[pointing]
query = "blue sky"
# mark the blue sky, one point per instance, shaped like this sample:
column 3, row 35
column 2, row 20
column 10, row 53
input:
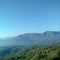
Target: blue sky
column 28, row 16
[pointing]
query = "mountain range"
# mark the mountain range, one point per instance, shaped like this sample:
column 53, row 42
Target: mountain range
column 48, row 37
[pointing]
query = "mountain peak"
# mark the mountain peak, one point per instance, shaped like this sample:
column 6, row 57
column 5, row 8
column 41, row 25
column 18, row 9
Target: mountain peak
column 52, row 32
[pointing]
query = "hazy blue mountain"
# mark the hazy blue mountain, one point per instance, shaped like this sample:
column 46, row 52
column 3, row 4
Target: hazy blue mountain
column 48, row 37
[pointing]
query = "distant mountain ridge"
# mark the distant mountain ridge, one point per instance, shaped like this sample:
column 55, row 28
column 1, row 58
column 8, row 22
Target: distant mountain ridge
column 48, row 37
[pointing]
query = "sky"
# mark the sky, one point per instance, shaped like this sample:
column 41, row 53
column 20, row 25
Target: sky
column 28, row 16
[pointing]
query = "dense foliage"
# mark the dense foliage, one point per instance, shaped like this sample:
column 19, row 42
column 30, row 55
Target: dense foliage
column 30, row 52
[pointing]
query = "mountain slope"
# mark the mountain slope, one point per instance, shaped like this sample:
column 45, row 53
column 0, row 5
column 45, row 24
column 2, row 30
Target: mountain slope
column 48, row 37
column 35, row 52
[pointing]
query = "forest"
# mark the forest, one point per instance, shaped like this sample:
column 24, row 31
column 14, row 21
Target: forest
column 35, row 52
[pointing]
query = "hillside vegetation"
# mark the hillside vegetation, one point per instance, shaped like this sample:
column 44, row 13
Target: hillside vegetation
column 36, row 52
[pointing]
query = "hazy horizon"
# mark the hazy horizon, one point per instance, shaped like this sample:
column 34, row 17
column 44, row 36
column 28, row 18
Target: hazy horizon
column 28, row 16
column 25, row 33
